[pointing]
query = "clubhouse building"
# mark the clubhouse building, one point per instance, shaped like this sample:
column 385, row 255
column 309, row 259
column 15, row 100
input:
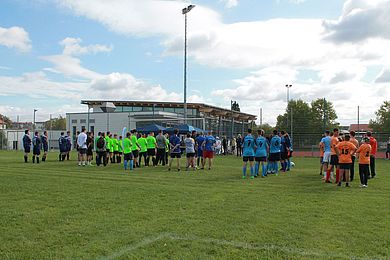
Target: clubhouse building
column 105, row 115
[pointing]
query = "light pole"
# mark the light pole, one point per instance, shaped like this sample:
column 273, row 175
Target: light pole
column 288, row 86
column 231, row 108
column 185, row 11
column 35, row 111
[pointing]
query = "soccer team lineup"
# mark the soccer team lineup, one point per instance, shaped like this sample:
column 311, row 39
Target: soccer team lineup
column 338, row 151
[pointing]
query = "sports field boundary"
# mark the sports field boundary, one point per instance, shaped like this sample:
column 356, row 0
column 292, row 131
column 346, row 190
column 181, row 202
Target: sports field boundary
column 221, row 242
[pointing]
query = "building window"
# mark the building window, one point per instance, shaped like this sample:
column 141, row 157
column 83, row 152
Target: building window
column 83, row 121
column 92, row 121
column 137, row 109
column 74, row 121
column 169, row 109
column 127, row 109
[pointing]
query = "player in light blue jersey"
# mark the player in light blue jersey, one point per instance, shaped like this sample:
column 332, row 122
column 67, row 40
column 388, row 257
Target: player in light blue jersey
column 261, row 154
column 248, row 154
column 326, row 144
column 274, row 152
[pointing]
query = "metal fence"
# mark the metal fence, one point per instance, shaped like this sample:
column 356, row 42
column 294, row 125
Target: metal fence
column 310, row 141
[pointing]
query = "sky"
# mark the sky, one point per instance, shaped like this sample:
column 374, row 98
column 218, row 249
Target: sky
column 55, row 53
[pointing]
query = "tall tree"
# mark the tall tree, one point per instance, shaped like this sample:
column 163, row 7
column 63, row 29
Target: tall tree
column 56, row 123
column 235, row 106
column 7, row 121
column 301, row 115
column 382, row 121
column 324, row 115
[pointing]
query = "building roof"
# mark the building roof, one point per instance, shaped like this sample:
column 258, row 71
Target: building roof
column 359, row 128
column 205, row 108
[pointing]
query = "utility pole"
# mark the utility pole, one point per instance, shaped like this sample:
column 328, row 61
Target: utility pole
column 231, row 108
column 261, row 116
column 185, row 11
column 288, row 86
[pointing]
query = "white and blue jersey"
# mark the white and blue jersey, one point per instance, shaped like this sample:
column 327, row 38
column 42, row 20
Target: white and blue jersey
column 326, row 141
column 261, row 147
column 275, row 145
column 249, row 146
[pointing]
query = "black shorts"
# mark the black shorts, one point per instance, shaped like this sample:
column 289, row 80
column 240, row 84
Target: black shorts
column 261, row 159
column 284, row 155
column 135, row 153
column 274, row 157
column 364, row 169
column 334, row 160
column 89, row 152
column 36, row 151
column 82, row 151
column 248, row 158
column 189, row 155
column 175, row 155
column 128, row 156
column 151, row 152
column 345, row 166
column 108, row 150
column 27, row 149
column 45, row 148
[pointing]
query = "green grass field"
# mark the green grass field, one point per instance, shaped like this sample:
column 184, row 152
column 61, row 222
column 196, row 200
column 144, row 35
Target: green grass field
column 61, row 211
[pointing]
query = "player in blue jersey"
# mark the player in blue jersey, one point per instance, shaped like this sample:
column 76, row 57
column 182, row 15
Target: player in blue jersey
column 261, row 153
column 284, row 150
column 208, row 149
column 326, row 144
column 248, row 154
column 274, row 152
column 199, row 141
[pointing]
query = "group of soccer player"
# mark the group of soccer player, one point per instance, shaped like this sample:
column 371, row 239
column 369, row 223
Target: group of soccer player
column 339, row 152
column 38, row 142
column 161, row 149
column 266, row 152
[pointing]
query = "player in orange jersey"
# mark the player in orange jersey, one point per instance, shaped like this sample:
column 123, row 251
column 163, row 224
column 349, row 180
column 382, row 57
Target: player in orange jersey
column 364, row 152
column 356, row 143
column 374, row 148
column 334, row 160
column 344, row 150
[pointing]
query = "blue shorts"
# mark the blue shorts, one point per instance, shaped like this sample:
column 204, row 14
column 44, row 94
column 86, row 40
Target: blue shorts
column 200, row 153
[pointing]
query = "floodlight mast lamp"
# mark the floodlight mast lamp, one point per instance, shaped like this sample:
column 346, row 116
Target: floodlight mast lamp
column 185, row 11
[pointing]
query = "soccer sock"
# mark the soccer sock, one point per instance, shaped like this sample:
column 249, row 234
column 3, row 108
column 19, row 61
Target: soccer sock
column 288, row 164
column 37, row 159
column 276, row 167
column 131, row 164
column 33, row 159
column 264, row 170
column 67, row 157
column 244, row 171
column 25, row 158
column 63, row 157
column 198, row 161
column 125, row 164
column 43, row 158
column 327, row 175
column 252, row 171
column 256, row 169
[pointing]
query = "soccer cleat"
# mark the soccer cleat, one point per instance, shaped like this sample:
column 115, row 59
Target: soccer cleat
column 339, row 184
column 347, row 185
column 252, row 177
column 244, row 177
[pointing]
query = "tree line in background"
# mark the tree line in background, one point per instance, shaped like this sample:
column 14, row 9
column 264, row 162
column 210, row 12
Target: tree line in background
column 382, row 121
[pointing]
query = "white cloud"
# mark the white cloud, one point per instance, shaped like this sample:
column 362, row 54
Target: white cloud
column 361, row 20
column 16, row 38
column 229, row 3
column 68, row 65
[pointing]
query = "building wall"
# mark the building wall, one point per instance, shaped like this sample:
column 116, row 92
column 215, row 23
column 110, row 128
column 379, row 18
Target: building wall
column 99, row 122
column 14, row 139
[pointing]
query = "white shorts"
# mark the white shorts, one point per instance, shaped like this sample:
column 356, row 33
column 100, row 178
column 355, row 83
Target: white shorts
column 326, row 157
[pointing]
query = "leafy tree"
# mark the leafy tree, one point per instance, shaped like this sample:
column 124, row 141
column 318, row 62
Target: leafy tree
column 235, row 106
column 301, row 114
column 56, row 123
column 323, row 112
column 382, row 121
column 3, row 140
column 7, row 121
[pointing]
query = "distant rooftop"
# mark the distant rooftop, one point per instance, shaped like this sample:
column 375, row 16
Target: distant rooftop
column 204, row 108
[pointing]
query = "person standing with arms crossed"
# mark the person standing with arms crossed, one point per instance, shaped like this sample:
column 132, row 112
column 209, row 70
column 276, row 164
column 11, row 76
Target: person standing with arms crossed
column 26, row 144
column 374, row 149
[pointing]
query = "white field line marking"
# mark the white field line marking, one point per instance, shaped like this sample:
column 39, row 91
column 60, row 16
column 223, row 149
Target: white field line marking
column 221, row 242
